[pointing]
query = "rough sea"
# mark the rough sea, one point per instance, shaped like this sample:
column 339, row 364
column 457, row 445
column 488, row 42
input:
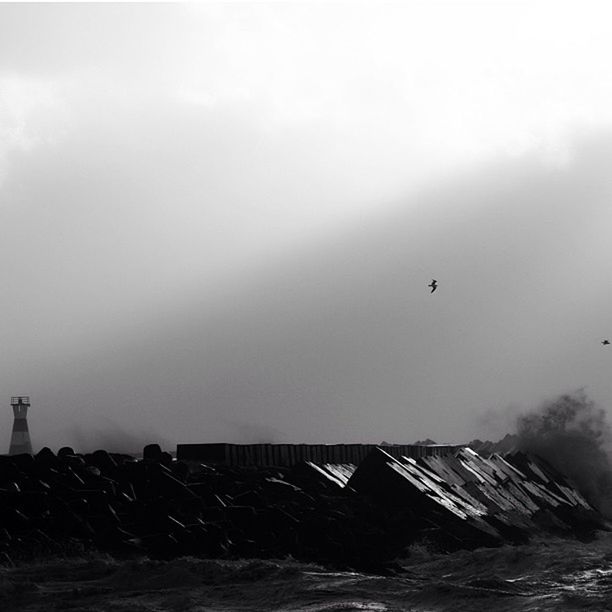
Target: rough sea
column 549, row 574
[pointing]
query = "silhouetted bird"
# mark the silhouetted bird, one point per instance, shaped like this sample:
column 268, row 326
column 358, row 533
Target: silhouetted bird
column 605, row 342
column 433, row 285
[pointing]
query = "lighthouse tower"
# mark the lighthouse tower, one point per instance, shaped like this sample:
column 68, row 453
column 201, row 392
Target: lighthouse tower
column 20, row 438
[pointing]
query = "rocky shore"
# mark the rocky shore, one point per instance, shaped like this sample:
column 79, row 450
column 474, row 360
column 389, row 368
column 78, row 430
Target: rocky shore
column 361, row 516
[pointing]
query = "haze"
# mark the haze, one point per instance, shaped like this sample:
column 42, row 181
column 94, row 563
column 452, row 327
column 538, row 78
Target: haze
column 219, row 220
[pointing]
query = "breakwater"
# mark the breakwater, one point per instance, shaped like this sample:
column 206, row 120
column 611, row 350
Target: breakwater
column 287, row 455
column 355, row 515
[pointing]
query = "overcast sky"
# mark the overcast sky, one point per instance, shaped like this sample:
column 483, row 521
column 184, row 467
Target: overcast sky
column 218, row 221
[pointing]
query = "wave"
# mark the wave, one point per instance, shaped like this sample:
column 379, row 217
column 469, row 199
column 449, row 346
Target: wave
column 548, row 574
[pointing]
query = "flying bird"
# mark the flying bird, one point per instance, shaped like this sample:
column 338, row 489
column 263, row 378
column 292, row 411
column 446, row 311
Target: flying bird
column 433, row 285
column 605, row 342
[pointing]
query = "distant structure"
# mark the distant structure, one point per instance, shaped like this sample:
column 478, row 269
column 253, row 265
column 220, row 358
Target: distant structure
column 287, row 455
column 20, row 438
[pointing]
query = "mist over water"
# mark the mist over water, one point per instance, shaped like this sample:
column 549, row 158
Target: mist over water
column 573, row 434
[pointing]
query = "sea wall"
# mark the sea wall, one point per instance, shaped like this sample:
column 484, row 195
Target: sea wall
column 361, row 515
column 287, row 455
column 466, row 500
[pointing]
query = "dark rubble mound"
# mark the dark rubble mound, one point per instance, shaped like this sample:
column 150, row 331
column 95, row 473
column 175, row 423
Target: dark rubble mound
column 351, row 516
column 463, row 500
column 69, row 503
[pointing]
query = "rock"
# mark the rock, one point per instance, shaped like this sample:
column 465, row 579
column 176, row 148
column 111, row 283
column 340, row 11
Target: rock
column 103, row 461
column 180, row 470
column 398, row 485
column 313, row 476
column 152, row 452
column 23, row 462
column 242, row 517
column 166, row 459
column 335, row 513
column 45, row 458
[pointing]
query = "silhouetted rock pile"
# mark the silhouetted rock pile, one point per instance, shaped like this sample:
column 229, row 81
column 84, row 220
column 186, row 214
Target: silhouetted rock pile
column 360, row 517
column 464, row 500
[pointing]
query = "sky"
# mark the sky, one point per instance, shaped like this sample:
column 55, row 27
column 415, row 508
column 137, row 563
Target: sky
column 219, row 220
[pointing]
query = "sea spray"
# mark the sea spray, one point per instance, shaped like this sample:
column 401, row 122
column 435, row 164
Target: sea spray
column 571, row 432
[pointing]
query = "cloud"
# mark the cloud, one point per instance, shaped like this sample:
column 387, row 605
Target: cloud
column 30, row 114
column 340, row 340
column 231, row 209
column 389, row 95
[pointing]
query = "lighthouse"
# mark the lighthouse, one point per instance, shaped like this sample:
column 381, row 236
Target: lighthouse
column 20, row 438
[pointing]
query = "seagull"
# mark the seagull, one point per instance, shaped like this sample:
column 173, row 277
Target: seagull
column 433, row 285
column 605, row 342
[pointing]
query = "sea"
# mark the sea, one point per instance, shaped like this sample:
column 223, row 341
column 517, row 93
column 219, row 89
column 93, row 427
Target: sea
column 547, row 574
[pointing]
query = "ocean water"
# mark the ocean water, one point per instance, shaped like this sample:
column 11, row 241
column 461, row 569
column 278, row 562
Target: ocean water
column 549, row 574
